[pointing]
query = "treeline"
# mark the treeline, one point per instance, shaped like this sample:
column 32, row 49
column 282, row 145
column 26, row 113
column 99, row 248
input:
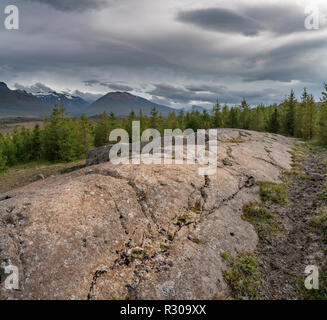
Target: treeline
column 63, row 139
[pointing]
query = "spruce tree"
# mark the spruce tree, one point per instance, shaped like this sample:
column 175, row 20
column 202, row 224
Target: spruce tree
column 154, row 119
column 172, row 122
column 3, row 158
column 216, row 116
column 234, row 117
column 290, row 114
column 245, row 115
column 84, row 135
column 181, row 120
column 36, row 143
column 205, row 121
column 60, row 142
column 309, row 118
column 273, row 123
column 102, row 130
column 225, row 117
column 322, row 118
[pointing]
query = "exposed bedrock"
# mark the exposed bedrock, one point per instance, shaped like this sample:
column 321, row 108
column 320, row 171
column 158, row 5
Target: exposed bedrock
column 137, row 231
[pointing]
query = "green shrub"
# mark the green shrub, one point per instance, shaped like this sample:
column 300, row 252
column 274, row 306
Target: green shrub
column 261, row 218
column 274, row 192
column 243, row 277
column 319, row 225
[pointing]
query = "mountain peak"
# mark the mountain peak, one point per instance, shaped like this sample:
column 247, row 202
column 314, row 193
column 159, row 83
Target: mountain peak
column 122, row 103
column 119, row 94
column 3, row 86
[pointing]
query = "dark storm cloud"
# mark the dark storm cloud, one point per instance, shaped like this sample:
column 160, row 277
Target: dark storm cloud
column 222, row 20
column 281, row 19
column 162, row 92
column 117, row 86
column 180, row 94
column 291, row 61
column 73, row 5
column 130, row 43
column 249, row 20
column 205, row 88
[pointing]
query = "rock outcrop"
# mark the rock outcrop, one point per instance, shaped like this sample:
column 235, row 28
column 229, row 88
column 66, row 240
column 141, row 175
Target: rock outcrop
column 137, row 231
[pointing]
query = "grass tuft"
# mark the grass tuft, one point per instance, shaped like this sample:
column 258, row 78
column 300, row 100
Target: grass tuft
column 243, row 277
column 274, row 192
column 262, row 219
column 319, row 224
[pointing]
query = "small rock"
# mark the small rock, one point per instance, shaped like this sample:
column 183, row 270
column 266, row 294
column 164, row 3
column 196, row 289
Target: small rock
column 227, row 162
column 38, row 177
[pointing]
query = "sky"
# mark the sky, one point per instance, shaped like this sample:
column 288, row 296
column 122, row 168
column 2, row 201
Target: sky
column 174, row 52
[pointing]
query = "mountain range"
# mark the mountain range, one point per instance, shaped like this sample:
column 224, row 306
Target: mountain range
column 19, row 103
column 73, row 104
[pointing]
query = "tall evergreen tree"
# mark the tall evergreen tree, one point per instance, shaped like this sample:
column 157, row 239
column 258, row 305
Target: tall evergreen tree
column 205, row 120
column 3, row 158
column 322, row 118
column 289, row 107
column 225, row 116
column 273, row 124
column 102, row 130
column 36, row 143
column 181, row 120
column 59, row 137
column 216, row 116
column 172, row 122
column 309, row 117
column 234, row 117
column 245, row 115
column 154, row 119
column 84, row 135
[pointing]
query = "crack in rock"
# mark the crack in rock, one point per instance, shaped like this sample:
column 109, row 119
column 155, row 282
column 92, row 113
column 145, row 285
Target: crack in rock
column 96, row 276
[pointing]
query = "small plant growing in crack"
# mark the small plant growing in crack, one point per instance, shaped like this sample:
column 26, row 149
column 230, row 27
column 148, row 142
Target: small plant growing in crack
column 164, row 246
column 243, row 276
column 137, row 253
column 171, row 236
column 261, row 218
column 296, row 165
column 186, row 218
column 197, row 208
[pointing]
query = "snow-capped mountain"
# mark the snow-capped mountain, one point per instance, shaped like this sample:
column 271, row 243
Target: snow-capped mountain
column 19, row 103
column 73, row 104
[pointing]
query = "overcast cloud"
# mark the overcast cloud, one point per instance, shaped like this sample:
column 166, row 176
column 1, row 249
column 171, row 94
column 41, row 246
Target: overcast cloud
column 176, row 52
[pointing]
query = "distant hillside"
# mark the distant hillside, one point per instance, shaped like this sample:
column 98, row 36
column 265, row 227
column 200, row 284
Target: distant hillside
column 195, row 108
column 18, row 103
column 121, row 103
column 73, row 105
